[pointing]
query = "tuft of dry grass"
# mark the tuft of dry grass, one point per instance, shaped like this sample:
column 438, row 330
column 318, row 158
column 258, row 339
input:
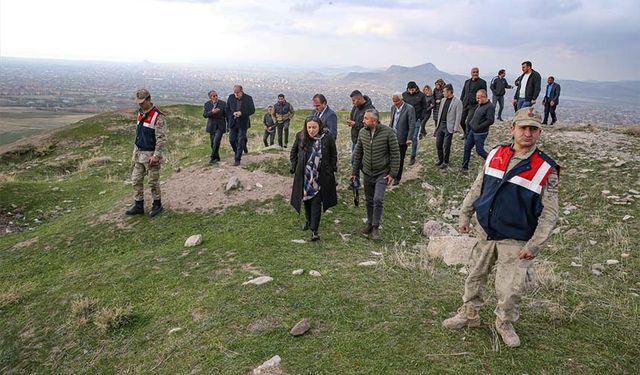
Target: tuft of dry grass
column 82, row 308
column 8, row 298
column 618, row 237
column 414, row 259
column 94, row 162
column 545, row 276
column 112, row 318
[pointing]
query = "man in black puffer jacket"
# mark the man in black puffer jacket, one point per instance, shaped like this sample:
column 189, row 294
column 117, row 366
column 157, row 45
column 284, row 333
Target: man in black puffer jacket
column 360, row 105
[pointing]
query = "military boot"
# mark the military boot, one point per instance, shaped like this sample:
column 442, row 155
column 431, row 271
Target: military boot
column 156, row 208
column 136, row 209
column 467, row 316
column 508, row 334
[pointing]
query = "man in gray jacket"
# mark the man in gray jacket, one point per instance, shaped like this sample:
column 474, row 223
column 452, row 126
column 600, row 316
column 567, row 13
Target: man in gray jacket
column 403, row 121
column 447, row 122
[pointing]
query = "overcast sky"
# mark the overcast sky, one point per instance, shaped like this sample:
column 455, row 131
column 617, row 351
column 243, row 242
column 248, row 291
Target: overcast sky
column 579, row 39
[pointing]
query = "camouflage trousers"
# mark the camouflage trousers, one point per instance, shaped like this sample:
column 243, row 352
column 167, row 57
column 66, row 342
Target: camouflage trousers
column 513, row 275
column 137, row 179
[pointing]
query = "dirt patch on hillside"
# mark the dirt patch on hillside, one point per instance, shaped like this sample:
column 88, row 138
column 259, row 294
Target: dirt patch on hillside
column 203, row 188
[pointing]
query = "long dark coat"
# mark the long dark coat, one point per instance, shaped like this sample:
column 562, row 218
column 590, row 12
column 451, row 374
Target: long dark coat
column 328, row 168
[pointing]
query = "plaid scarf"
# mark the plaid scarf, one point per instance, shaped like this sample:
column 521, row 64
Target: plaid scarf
column 311, row 170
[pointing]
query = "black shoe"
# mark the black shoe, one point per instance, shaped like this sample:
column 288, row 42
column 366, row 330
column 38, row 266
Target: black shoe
column 500, row 119
column 136, row 209
column 553, row 122
column 464, row 171
column 367, row 230
column 444, row 166
column 438, row 163
column 306, row 226
column 375, row 234
column 236, row 163
column 156, row 208
column 315, row 236
column 285, row 146
column 396, row 182
column 245, row 150
column 412, row 161
column 213, row 161
column 544, row 123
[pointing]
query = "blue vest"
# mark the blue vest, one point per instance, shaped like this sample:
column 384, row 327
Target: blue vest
column 511, row 202
column 146, row 130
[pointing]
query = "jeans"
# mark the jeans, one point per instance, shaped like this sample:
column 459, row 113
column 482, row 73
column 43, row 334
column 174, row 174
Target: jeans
column 215, row 138
column 414, row 139
column 403, row 153
column 443, row 144
column 283, row 127
column 499, row 99
column 353, row 153
column 522, row 103
column 268, row 138
column 238, row 141
column 313, row 211
column 374, row 188
column 472, row 139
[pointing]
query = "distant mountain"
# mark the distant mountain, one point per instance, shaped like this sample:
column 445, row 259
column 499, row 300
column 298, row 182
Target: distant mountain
column 396, row 77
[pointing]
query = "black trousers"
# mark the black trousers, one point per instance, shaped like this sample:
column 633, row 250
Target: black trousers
column 268, row 138
column 548, row 109
column 403, row 153
column 215, row 138
column 283, row 127
column 443, row 144
column 313, row 211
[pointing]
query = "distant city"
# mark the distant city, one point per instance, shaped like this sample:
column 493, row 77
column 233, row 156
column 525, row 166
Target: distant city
column 92, row 87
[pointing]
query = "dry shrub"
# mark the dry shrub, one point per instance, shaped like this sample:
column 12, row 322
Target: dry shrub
column 112, row 318
column 632, row 130
column 81, row 309
column 94, row 162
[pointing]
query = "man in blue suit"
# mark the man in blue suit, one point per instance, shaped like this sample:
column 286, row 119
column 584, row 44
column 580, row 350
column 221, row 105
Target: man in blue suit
column 326, row 114
column 550, row 101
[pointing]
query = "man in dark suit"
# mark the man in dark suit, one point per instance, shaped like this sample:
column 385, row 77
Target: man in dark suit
column 468, row 97
column 240, row 107
column 550, row 101
column 215, row 111
column 529, row 87
column 326, row 114
column 403, row 122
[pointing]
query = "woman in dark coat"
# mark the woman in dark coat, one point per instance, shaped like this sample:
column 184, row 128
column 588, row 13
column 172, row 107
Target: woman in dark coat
column 314, row 162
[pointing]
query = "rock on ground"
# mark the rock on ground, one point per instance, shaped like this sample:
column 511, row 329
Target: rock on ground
column 315, row 273
column 452, row 249
column 194, row 240
column 369, row 263
column 269, row 367
column 298, row 272
column 301, row 327
column 258, row 280
column 233, row 183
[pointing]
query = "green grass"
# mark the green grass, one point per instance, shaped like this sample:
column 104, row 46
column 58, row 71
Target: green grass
column 142, row 282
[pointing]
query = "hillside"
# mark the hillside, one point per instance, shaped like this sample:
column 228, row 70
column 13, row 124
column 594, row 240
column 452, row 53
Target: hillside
column 84, row 289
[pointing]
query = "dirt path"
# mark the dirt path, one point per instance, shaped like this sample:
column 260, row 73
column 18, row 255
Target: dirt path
column 203, row 188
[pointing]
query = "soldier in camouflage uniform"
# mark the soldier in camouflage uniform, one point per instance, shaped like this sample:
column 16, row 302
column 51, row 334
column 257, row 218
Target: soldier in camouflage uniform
column 147, row 153
column 515, row 199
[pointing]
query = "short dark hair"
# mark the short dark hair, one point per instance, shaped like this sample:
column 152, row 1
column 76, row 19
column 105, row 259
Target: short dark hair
column 449, row 87
column 553, row 79
column 355, row 93
column 412, row 85
column 280, row 95
column 321, row 98
column 527, row 63
column 500, row 71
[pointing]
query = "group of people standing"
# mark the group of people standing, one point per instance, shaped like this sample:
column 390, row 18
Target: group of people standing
column 514, row 197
